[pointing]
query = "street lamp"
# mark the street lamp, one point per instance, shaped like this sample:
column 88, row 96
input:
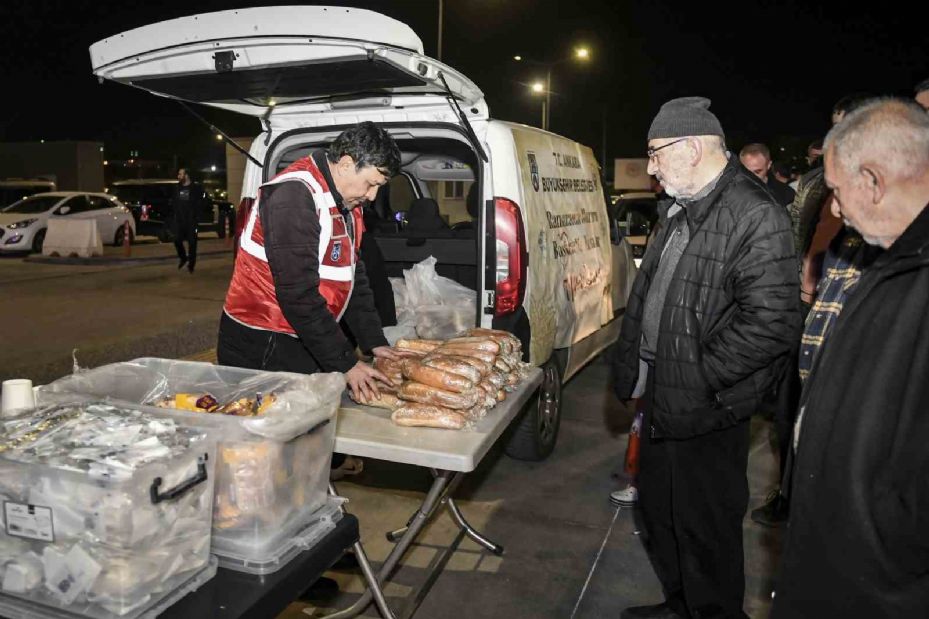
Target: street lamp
column 538, row 88
column 580, row 53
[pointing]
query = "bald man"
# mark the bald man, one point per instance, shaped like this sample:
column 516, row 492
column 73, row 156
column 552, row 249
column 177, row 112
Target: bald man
column 857, row 544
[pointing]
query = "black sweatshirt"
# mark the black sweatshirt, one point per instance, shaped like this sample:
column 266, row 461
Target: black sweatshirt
column 291, row 241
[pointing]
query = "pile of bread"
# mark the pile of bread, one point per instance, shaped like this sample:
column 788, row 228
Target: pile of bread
column 450, row 383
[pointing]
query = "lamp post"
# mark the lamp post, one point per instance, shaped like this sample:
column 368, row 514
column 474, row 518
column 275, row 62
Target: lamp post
column 580, row 53
column 439, row 55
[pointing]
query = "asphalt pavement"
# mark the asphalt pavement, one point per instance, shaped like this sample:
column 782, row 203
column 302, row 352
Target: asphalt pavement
column 108, row 309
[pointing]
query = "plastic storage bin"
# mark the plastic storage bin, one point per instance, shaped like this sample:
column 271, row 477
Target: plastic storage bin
column 267, row 490
column 105, row 511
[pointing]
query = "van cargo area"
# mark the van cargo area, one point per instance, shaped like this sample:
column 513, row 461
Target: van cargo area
column 430, row 209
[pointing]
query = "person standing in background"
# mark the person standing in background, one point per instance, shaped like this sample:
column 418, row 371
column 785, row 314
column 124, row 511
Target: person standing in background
column 189, row 199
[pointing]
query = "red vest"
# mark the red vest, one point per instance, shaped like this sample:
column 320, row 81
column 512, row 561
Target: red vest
column 251, row 299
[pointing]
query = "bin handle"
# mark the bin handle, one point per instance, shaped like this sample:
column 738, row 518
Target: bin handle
column 181, row 488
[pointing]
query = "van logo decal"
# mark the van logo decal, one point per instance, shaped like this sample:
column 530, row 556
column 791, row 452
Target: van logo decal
column 336, row 251
column 533, row 170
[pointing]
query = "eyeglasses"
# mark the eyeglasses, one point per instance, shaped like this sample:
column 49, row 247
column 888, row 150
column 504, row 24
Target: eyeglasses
column 653, row 152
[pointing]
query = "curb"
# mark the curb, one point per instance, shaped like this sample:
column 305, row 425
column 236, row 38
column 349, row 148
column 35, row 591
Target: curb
column 114, row 260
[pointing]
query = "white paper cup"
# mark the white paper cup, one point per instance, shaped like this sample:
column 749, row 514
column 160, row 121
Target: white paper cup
column 17, row 395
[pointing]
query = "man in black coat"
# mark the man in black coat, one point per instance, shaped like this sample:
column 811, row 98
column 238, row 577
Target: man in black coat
column 189, row 200
column 713, row 315
column 857, row 543
column 757, row 159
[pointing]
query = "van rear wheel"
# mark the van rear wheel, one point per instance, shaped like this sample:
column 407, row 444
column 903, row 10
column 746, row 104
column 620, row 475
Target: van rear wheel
column 536, row 432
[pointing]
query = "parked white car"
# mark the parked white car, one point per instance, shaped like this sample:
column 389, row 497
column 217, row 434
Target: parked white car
column 23, row 223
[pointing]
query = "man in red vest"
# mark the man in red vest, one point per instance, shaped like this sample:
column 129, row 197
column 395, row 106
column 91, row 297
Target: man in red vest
column 298, row 272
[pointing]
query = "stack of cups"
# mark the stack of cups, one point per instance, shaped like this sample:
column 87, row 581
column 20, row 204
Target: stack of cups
column 17, row 395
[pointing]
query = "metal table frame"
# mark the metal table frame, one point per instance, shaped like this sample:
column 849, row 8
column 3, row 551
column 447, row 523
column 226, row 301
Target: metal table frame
column 407, row 448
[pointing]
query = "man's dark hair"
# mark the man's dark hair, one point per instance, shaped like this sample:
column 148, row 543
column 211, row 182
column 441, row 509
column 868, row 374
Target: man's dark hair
column 815, row 145
column 756, row 149
column 849, row 103
column 923, row 85
column 368, row 145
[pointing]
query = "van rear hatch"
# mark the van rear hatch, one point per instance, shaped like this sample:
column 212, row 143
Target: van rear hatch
column 284, row 61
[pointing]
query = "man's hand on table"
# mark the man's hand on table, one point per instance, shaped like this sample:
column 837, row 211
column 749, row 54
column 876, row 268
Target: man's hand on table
column 362, row 380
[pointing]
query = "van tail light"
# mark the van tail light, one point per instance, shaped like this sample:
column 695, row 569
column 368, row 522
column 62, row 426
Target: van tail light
column 145, row 212
column 512, row 257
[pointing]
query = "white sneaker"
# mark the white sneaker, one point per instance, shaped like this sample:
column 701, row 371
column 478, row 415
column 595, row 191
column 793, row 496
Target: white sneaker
column 625, row 497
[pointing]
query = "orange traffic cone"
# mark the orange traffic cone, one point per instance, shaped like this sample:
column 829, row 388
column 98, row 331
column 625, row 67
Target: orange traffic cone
column 127, row 239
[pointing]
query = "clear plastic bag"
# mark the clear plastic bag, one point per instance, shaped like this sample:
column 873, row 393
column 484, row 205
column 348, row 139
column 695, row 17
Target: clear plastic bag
column 302, row 401
column 429, row 305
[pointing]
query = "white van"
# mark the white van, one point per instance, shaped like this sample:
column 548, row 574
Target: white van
column 536, row 243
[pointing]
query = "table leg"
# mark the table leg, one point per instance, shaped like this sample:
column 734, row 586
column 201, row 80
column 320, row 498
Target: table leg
column 396, row 534
column 463, row 524
column 443, row 480
column 374, row 586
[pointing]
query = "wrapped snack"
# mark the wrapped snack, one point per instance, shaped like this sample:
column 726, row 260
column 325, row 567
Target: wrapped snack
column 426, row 394
column 420, row 346
column 434, row 377
column 387, row 400
column 477, row 364
column 515, row 343
column 455, row 366
column 425, row 415
column 478, row 343
column 483, row 355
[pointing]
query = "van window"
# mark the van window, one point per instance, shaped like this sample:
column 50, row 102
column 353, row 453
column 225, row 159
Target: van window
column 453, row 190
column 401, row 193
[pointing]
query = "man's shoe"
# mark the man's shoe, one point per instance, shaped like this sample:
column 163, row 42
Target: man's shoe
column 774, row 512
column 180, row 263
column 350, row 466
column 655, row 611
column 190, row 267
column 626, row 497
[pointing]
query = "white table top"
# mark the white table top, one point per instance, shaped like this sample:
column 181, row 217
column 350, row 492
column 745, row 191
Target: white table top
column 369, row 432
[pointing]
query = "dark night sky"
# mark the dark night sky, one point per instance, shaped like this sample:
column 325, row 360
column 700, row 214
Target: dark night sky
column 773, row 70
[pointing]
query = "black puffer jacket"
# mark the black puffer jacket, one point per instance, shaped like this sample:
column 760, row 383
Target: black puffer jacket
column 731, row 316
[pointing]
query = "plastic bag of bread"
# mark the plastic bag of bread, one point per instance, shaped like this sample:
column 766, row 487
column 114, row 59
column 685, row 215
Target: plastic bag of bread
column 428, row 416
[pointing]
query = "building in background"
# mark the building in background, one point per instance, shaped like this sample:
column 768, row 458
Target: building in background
column 71, row 165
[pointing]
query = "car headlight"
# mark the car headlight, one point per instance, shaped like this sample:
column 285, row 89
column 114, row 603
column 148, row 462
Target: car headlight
column 22, row 224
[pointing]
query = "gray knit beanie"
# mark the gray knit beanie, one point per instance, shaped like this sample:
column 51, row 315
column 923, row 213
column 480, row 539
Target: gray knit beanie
column 685, row 117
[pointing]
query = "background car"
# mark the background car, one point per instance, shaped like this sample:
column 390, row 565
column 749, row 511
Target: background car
column 151, row 202
column 23, row 223
column 636, row 215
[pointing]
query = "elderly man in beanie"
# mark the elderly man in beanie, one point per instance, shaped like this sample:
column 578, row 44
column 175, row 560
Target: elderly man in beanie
column 713, row 317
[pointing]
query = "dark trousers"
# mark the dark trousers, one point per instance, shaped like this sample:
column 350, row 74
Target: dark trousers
column 185, row 229
column 785, row 413
column 242, row 347
column 693, row 494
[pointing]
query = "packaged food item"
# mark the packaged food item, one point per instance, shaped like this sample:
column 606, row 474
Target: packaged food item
column 105, row 509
